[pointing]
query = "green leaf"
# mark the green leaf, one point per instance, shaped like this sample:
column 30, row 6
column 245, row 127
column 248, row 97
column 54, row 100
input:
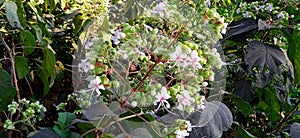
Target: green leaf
column 29, row 41
column 52, row 4
column 273, row 109
column 47, row 72
column 87, row 24
column 294, row 52
column 74, row 135
column 21, row 13
column 7, row 90
column 269, row 103
column 241, row 104
column 65, row 119
column 243, row 133
column 22, row 68
column 38, row 33
column 63, row 3
column 59, row 132
column 11, row 14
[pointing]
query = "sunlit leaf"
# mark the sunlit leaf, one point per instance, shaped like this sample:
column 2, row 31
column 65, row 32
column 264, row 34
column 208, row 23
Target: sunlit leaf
column 47, row 72
column 21, row 13
column 11, row 14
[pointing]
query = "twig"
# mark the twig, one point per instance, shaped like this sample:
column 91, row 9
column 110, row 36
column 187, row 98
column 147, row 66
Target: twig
column 13, row 71
column 29, row 86
column 282, row 123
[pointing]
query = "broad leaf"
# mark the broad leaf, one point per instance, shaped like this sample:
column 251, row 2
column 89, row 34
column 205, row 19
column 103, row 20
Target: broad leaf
column 269, row 103
column 7, row 90
column 242, row 89
column 45, row 134
column 65, row 119
column 11, row 14
column 242, row 105
column 242, row 132
column 96, row 111
column 22, row 68
column 241, row 30
column 212, row 121
column 294, row 52
column 267, row 59
column 47, row 72
column 137, row 133
column 29, row 41
column 21, row 14
column 295, row 130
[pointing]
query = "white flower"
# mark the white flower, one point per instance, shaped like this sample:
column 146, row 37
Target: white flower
column 207, row 3
column 202, row 103
column 179, row 57
column 117, row 35
column 123, row 52
column 188, row 125
column 195, row 59
column 181, row 133
column 204, row 84
column 85, row 65
column 88, row 45
column 269, row 7
column 184, row 99
column 246, row 15
column 223, row 30
column 261, row 7
column 162, row 98
column 238, row 10
column 159, row 9
column 95, row 85
column 281, row 15
column 148, row 27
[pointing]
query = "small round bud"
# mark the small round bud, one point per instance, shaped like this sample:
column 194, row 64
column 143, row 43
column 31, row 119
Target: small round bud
column 134, row 104
column 204, row 84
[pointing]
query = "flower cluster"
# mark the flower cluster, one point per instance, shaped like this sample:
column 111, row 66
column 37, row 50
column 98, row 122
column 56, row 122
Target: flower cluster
column 183, row 130
column 158, row 70
column 31, row 113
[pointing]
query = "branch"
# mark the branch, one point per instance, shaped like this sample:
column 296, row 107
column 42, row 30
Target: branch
column 13, row 70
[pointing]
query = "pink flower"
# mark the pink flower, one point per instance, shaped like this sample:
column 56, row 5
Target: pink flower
column 162, row 98
column 117, row 35
column 184, row 100
column 159, row 9
column 195, row 59
column 181, row 133
column 85, row 65
column 95, row 85
column 179, row 57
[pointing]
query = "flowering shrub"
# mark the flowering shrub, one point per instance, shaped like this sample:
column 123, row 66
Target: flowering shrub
column 31, row 113
column 156, row 64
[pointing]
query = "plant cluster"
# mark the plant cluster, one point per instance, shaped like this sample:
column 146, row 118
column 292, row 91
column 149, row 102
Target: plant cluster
column 144, row 68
